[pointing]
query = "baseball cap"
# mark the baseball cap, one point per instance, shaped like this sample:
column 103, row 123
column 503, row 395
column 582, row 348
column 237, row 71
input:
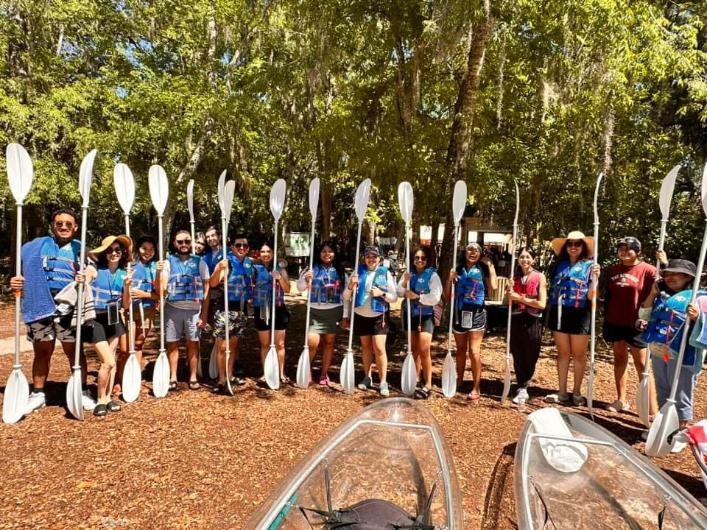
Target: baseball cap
column 630, row 242
column 371, row 250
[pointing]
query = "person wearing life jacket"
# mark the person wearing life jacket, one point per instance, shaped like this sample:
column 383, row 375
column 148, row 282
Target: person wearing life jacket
column 626, row 284
column 569, row 316
column 239, row 270
column 111, row 294
column 375, row 291
column 422, row 289
column 262, row 301
column 528, row 294
column 213, row 253
column 664, row 315
column 49, row 264
column 324, row 285
column 474, row 276
column 185, row 278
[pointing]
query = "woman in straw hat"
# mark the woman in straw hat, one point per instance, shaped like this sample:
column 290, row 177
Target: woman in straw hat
column 111, row 292
column 570, row 310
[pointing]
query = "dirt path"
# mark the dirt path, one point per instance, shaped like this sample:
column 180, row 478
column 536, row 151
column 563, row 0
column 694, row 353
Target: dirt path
column 199, row 461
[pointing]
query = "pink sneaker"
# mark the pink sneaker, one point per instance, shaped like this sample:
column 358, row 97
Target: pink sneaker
column 324, row 380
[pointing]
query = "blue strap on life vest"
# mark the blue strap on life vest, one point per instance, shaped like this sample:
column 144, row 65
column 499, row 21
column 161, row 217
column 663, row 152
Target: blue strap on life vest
column 327, row 287
column 107, row 288
column 470, row 289
column 262, row 294
column 240, row 279
column 144, row 280
column 380, row 280
column 185, row 283
column 571, row 283
column 420, row 284
column 60, row 264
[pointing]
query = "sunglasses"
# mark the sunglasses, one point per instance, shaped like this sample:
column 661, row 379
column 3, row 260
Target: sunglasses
column 241, row 245
column 67, row 224
column 183, row 241
column 114, row 250
column 420, row 258
column 570, row 244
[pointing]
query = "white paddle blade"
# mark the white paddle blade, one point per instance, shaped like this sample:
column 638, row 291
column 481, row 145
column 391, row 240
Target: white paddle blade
column 131, row 379
column 160, row 376
column 506, row 378
column 19, row 171
column 272, row 369
column 313, row 197
column 664, row 424
column 449, row 376
column 704, row 191
column 190, row 199
column 347, row 373
column 220, row 187
column 408, row 379
column 277, row 198
column 666, row 191
column 16, row 397
column 85, row 177
column 304, row 371
column 124, row 184
column 213, row 363
column 596, row 197
column 363, row 194
column 228, row 190
column 405, row 201
column 159, row 188
column 459, row 200
column 563, row 455
column 74, row 396
column 643, row 397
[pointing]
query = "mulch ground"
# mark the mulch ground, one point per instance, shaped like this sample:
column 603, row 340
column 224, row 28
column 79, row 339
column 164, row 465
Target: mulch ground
column 200, row 461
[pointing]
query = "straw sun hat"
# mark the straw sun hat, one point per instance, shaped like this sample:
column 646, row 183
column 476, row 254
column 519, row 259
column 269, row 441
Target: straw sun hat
column 559, row 242
column 125, row 241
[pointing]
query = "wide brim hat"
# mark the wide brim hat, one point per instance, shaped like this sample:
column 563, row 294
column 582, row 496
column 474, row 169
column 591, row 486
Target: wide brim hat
column 108, row 241
column 559, row 242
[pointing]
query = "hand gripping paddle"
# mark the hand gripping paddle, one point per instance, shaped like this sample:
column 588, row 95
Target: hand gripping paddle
column 304, row 371
column 20, row 174
column 408, row 378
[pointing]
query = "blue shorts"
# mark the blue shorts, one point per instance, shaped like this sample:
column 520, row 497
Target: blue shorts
column 181, row 323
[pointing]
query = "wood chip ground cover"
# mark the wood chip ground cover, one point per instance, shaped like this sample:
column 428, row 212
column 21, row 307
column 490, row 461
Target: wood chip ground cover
column 195, row 460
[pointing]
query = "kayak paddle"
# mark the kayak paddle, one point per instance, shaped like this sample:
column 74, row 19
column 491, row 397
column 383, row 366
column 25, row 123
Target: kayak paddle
column 347, row 374
column 643, row 395
column 159, row 193
column 304, row 370
column 20, row 174
column 449, row 369
column 190, row 206
column 511, row 276
column 225, row 202
column 74, row 392
column 124, row 184
column 408, row 378
column 213, row 363
column 272, row 367
column 667, row 422
column 593, row 295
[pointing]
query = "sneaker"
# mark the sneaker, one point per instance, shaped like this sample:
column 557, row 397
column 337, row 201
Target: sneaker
column 618, row 406
column 521, row 395
column 578, row 400
column 562, row 399
column 384, row 389
column 324, row 380
column 88, row 402
column 36, row 401
column 366, row 383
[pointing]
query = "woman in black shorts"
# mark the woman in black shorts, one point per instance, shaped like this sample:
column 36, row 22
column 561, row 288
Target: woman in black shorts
column 423, row 289
column 569, row 316
column 474, row 276
column 111, row 293
column 262, row 301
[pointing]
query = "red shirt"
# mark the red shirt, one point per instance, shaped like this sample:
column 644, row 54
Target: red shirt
column 626, row 287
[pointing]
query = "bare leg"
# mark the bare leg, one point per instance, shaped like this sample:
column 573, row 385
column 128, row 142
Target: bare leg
column 640, row 356
column 221, row 360
column 462, row 341
column 264, row 339
column 415, row 346
column 367, row 354
column 280, row 347
column 173, row 357
column 381, row 356
column 313, row 344
column 328, row 352
column 562, row 343
column 578, row 346
column 425, row 356
column 475, row 338
column 69, row 349
column 106, row 355
column 620, row 364
column 192, row 358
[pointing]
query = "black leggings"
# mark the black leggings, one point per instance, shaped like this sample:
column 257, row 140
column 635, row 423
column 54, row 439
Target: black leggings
column 526, row 336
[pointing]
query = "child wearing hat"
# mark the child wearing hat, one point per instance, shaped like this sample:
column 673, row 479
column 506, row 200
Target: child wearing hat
column 626, row 284
column 569, row 315
column 663, row 314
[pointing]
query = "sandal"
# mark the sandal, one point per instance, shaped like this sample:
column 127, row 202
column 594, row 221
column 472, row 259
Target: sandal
column 423, row 393
column 113, row 406
column 220, row 389
column 237, row 381
column 172, row 385
column 285, row 380
column 194, row 385
column 473, row 396
column 100, row 410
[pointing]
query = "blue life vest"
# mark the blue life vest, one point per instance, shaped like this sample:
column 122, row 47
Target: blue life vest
column 571, row 284
column 185, row 283
column 667, row 323
column 144, row 280
column 212, row 260
column 262, row 296
column 107, row 288
column 240, row 279
column 326, row 287
column 380, row 280
column 420, row 284
column 470, row 288
column 60, row 264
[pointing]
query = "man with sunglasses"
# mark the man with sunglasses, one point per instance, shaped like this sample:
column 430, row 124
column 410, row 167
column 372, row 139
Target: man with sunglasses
column 50, row 263
column 186, row 278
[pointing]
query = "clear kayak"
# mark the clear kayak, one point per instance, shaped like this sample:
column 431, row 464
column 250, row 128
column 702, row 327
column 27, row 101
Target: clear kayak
column 570, row 473
column 386, row 467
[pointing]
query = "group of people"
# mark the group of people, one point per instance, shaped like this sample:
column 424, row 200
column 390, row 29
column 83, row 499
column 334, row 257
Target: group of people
column 641, row 310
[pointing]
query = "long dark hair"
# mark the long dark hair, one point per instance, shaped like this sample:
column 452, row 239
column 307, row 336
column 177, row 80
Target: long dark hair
column 564, row 255
column 429, row 254
column 518, row 272
column 337, row 260
column 138, row 244
column 461, row 260
column 125, row 258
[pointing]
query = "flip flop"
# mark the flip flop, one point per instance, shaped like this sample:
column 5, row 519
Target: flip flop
column 473, row 396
